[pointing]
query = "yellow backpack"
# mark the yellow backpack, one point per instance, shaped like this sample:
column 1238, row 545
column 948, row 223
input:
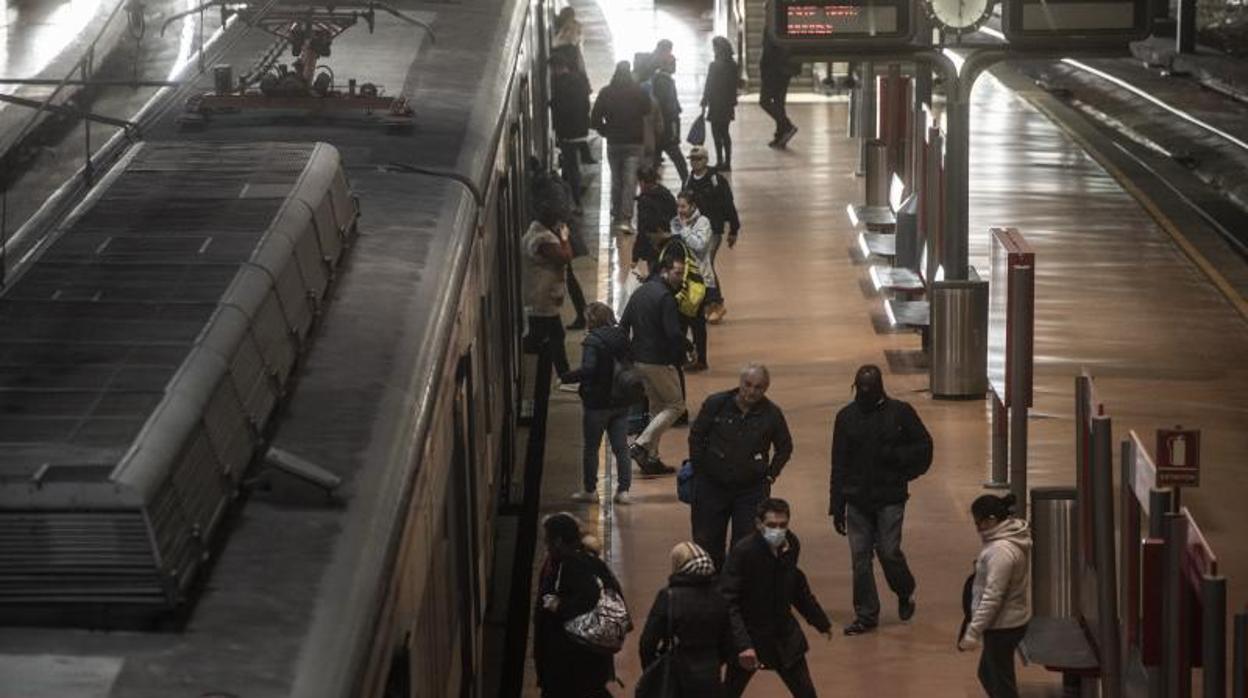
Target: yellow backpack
column 693, row 288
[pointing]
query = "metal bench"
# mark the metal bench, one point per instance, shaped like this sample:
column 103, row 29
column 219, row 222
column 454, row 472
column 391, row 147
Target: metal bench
column 1061, row 645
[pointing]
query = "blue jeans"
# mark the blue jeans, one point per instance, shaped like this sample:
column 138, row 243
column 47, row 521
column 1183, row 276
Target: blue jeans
column 613, row 421
column 876, row 533
column 624, row 161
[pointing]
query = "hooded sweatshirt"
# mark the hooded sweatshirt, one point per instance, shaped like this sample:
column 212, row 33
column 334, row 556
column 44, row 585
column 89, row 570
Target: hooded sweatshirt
column 1001, row 593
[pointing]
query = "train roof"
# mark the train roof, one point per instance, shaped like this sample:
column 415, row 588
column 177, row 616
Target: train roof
column 288, row 604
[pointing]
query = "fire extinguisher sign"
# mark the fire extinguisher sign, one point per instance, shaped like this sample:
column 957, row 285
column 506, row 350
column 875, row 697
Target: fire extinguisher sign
column 1178, row 457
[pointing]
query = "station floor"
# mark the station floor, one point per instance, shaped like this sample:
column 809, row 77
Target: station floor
column 1114, row 295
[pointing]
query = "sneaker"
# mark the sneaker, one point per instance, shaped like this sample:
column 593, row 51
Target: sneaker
column 716, row 313
column 774, row 143
column 589, row 496
column 622, row 497
column 568, row 387
column 783, row 140
column 905, row 607
column 858, row 628
column 653, row 467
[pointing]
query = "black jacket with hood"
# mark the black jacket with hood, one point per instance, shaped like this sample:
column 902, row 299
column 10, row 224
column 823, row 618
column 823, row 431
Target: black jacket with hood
column 761, row 588
column 599, row 351
column 699, row 619
column 876, row 452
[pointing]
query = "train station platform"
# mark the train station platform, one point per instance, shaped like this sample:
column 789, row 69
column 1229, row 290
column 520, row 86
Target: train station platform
column 1116, row 294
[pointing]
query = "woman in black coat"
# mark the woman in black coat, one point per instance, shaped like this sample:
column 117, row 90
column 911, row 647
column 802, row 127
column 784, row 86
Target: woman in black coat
column 719, row 99
column 699, row 620
column 568, row 587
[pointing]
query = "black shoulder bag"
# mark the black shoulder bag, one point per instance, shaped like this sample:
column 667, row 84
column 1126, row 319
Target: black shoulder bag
column 659, row 679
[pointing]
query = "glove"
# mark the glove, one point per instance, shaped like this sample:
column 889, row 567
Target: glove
column 838, row 522
column 968, row 643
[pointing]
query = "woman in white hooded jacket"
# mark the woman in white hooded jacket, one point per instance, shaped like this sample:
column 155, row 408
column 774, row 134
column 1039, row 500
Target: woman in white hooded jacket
column 1000, row 594
column 694, row 229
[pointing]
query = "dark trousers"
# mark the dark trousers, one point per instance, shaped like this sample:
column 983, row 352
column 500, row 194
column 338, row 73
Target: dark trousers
column 876, row 533
column 614, row 422
column 672, row 149
column 549, row 330
column 996, row 662
column 570, row 166
column 696, row 326
column 771, row 97
column 575, row 292
column 796, row 677
column 714, row 506
column 723, row 143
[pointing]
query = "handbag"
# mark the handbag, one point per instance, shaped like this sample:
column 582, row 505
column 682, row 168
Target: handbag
column 697, row 131
column 659, row 679
column 603, row 627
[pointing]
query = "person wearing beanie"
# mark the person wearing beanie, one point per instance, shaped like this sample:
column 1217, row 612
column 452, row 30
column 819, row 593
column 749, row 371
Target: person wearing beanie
column 1000, row 594
column 689, row 618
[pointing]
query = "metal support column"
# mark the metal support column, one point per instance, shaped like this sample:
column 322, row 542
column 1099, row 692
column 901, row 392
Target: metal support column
column 1213, row 637
column 1160, row 504
column 999, row 478
column 866, row 111
column 1176, row 665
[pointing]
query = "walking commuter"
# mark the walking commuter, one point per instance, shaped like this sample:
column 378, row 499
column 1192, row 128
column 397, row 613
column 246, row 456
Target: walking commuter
column 605, row 344
column 689, row 618
column 663, row 89
column 693, row 229
column 1001, row 593
column 656, row 207
column 566, row 42
column 569, row 584
column 653, row 320
column 719, row 99
column 878, row 446
column 619, row 114
column 776, row 70
column 569, row 113
column 714, row 197
column 738, row 445
column 547, row 251
column 762, row 583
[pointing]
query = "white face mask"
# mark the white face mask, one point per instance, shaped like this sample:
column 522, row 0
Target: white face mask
column 774, row 536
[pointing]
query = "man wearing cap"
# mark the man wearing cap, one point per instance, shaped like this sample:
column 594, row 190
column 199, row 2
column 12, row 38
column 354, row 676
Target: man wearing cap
column 713, row 195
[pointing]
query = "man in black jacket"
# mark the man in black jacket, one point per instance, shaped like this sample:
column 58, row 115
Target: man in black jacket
column 878, row 446
column 663, row 89
column 776, row 70
column 656, row 207
column 761, row 583
column 658, row 344
column 738, row 445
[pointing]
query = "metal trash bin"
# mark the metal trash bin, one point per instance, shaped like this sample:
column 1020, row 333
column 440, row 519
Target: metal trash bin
column 1053, row 551
column 878, row 173
column 959, row 338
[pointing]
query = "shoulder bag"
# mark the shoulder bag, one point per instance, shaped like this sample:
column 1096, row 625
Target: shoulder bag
column 659, row 679
column 603, row 627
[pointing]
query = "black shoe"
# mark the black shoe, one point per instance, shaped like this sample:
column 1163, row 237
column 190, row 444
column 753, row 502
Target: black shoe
column 905, row 607
column 577, row 324
column 783, row 140
column 774, row 143
column 639, row 454
column 656, row 468
column 858, row 628
column 682, row 420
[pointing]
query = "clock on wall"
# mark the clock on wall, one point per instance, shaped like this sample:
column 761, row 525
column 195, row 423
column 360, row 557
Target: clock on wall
column 959, row 16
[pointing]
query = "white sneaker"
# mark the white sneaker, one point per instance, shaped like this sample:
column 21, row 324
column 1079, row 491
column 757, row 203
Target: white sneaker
column 622, row 497
column 568, row 387
column 584, row 496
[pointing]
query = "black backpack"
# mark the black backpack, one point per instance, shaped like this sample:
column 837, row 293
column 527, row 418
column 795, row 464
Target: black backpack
column 628, row 388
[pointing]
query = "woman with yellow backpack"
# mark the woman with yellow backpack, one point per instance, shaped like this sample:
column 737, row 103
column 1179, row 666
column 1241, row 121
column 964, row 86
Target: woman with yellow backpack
column 693, row 229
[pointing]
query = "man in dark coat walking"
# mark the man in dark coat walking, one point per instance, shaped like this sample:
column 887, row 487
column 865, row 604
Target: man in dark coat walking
column 776, row 70
column 569, row 115
column 878, row 446
column 738, row 445
column 762, row 583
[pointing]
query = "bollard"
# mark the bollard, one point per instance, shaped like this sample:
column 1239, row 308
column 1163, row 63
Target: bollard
column 1213, row 636
column 877, row 173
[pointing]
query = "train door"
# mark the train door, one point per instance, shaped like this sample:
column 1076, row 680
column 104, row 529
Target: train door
column 465, row 538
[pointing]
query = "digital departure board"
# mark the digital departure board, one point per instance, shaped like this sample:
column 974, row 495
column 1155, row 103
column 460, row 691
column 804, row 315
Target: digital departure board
column 1074, row 23
column 827, row 26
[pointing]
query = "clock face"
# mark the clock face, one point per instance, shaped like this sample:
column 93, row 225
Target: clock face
column 959, row 15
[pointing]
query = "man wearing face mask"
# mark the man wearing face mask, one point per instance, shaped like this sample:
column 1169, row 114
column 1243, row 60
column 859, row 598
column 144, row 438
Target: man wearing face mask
column 762, row 583
column 878, row 446
column 738, row 445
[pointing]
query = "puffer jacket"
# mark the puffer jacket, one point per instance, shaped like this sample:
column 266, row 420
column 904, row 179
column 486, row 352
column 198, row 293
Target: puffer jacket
column 1001, row 593
column 596, row 375
column 876, row 452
